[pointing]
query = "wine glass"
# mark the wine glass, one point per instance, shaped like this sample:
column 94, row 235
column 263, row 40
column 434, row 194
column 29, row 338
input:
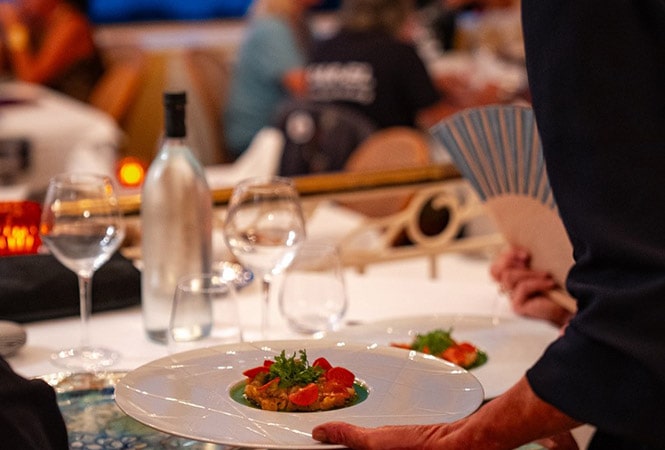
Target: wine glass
column 82, row 226
column 263, row 228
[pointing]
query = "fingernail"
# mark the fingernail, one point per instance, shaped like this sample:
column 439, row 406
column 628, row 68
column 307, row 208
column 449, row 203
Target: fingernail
column 320, row 435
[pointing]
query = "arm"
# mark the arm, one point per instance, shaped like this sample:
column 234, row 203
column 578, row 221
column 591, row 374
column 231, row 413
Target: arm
column 29, row 417
column 489, row 428
column 66, row 40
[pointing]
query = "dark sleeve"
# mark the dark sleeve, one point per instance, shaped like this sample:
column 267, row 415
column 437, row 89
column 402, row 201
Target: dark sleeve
column 29, row 415
column 597, row 76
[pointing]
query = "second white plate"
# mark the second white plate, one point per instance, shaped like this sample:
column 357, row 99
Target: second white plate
column 512, row 345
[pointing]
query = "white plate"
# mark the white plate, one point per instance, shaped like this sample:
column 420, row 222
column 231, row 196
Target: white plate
column 512, row 345
column 188, row 394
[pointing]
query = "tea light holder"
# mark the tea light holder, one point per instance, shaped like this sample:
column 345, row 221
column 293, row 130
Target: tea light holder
column 19, row 228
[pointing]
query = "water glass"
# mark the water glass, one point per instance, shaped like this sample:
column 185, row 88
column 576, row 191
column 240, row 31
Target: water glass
column 312, row 296
column 204, row 313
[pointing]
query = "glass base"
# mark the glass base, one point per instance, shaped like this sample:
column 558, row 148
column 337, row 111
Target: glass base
column 85, row 358
column 160, row 336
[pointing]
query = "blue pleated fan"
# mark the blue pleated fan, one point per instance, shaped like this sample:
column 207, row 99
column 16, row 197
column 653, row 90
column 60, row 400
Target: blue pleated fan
column 498, row 150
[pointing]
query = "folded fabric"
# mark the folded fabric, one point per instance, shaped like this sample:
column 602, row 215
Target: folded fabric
column 29, row 417
column 38, row 287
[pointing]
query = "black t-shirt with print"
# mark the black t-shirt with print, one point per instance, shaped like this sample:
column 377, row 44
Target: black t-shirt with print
column 382, row 77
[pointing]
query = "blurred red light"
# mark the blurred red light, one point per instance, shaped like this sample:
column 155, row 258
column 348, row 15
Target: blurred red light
column 131, row 172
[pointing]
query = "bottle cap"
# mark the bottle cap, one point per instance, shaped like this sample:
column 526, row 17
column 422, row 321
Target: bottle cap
column 175, row 98
column 174, row 114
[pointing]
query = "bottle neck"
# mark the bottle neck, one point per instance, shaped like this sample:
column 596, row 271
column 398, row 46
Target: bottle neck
column 174, row 121
column 171, row 146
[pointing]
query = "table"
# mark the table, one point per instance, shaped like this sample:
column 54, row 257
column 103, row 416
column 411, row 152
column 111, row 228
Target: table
column 384, row 291
column 64, row 135
column 464, row 287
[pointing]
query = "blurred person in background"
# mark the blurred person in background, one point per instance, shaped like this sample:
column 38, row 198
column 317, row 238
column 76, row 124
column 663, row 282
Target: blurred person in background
column 441, row 15
column 50, row 42
column 268, row 69
column 371, row 64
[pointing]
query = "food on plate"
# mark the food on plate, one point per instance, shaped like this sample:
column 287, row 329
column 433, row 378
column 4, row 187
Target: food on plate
column 290, row 383
column 440, row 343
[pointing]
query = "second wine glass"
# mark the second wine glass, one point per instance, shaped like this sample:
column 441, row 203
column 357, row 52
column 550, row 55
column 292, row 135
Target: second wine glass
column 263, row 228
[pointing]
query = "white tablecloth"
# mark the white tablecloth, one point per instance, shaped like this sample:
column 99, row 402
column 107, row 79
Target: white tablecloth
column 384, row 291
column 64, row 135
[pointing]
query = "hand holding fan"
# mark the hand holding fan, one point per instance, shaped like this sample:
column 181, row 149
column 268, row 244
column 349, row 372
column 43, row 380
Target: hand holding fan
column 498, row 150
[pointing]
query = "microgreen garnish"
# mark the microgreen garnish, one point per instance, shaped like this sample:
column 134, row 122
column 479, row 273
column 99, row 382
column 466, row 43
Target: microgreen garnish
column 434, row 342
column 294, row 371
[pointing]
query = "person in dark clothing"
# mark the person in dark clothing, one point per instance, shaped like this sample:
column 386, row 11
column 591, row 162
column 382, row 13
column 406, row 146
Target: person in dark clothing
column 29, row 414
column 605, row 155
column 369, row 67
column 596, row 75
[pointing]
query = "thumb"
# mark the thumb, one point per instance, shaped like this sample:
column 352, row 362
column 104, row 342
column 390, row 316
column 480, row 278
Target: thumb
column 341, row 433
column 394, row 437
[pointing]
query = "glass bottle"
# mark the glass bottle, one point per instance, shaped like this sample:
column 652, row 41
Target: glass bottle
column 176, row 220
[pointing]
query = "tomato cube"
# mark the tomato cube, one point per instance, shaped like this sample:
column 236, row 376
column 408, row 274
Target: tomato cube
column 342, row 375
column 305, row 396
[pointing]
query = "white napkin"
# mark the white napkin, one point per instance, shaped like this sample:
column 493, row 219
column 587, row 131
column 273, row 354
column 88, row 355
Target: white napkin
column 261, row 158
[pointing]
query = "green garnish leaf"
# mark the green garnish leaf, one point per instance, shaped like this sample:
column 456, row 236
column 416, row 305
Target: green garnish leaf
column 294, row 371
column 434, row 342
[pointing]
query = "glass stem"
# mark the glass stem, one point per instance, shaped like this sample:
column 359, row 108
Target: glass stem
column 85, row 296
column 496, row 306
column 265, row 291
